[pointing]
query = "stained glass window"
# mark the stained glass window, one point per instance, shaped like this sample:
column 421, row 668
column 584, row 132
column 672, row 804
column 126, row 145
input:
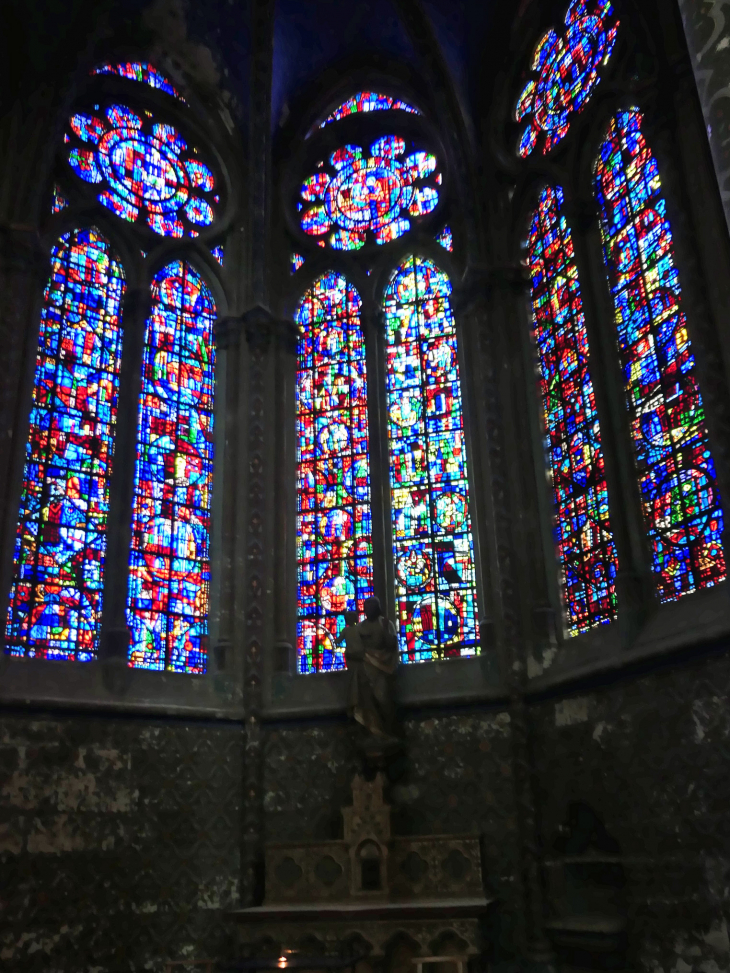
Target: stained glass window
column 433, row 547
column 681, row 502
column 147, row 168
column 59, row 200
column 334, row 546
column 297, row 261
column 446, row 239
column 359, row 194
column 56, row 595
column 565, row 72
column 585, row 544
column 219, row 254
column 365, row 101
column 169, row 571
column 144, row 73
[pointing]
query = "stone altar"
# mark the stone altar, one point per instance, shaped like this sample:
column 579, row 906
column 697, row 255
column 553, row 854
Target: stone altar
column 369, row 891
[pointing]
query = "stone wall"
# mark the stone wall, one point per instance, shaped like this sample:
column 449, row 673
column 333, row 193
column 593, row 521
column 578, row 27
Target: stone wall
column 454, row 777
column 650, row 755
column 119, row 842
column 707, row 26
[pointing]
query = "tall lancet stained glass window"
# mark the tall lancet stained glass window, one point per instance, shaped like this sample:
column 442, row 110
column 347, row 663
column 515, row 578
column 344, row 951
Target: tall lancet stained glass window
column 433, row 546
column 585, row 545
column 681, row 503
column 334, row 545
column 169, row 569
column 56, row 595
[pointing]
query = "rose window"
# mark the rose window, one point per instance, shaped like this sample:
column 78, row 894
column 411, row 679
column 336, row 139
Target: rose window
column 375, row 194
column 567, row 70
column 149, row 171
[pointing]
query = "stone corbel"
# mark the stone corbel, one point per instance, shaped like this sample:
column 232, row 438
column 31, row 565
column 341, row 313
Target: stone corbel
column 480, row 282
column 262, row 328
column 227, row 332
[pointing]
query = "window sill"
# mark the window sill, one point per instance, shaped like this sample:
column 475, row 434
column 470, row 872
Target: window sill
column 427, row 683
column 694, row 620
column 113, row 686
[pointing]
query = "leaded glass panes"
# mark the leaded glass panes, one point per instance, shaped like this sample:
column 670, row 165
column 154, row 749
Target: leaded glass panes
column 584, row 538
column 367, row 101
column 433, row 546
column 147, row 170
column 169, row 570
column 56, row 595
column 334, row 545
column 680, row 498
column 376, row 193
column 566, row 70
column 137, row 71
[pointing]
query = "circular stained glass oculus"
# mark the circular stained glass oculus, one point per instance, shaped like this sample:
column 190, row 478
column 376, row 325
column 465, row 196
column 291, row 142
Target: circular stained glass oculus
column 566, row 70
column 148, row 170
column 377, row 193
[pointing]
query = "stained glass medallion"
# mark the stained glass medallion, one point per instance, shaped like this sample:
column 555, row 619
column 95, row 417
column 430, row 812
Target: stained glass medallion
column 147, row 170
column 334, row 545
column 169, row 570
column 367, row 101
column 433, row 546
column 56, row 596
column 584, row 540
column 357, row 194
column 565, row 72
column 680, row 498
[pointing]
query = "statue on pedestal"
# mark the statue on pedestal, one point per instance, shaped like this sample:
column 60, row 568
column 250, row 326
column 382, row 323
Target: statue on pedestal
column 371, row 653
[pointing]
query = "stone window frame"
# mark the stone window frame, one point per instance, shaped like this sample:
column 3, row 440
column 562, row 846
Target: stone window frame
column 286, row 692
column 637, row 77
column 108, row 682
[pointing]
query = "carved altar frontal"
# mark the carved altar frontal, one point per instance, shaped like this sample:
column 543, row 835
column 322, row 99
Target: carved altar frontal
column 368, row 890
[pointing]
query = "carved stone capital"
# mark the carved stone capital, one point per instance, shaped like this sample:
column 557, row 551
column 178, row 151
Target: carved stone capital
column 227, row 332
column 262, row 327
column 479, row 282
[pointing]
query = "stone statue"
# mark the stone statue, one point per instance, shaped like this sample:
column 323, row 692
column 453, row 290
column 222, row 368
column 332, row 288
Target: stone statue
column 371, row 653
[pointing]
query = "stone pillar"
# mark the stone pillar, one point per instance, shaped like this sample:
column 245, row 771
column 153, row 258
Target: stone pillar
column 707, row 27
column 23, row 269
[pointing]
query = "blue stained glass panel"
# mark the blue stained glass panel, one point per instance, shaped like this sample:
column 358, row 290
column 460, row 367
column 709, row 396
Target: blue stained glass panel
column 584, row 539
column 433, row 545
column 169, row 569
column 681, row 502
column 56, row 595
column 334, row 531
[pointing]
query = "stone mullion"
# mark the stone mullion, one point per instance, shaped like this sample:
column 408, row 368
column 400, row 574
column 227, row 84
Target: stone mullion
column 468, row 313
column 24, row 269
column 254, row 625
column 498, row 401
column 634, row 580
column 378, row 438
column 230, row 412
column 258, row 534
column 114, row 643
